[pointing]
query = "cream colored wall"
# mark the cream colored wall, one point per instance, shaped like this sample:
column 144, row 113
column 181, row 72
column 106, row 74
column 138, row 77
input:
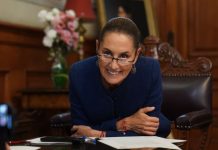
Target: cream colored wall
column 25, row 14
column 20, row 13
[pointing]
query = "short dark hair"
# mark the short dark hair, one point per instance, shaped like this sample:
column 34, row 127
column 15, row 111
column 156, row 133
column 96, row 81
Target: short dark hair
column 122, row 25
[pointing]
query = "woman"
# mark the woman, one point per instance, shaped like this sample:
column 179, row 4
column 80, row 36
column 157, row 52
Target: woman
column 117, row 92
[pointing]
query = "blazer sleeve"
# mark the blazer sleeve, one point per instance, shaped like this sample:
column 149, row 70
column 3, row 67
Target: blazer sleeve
column 155, row 99
column 155, row 91
column 77, row 113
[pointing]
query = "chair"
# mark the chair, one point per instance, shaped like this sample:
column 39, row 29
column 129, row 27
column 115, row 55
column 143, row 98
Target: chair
column 187, row 89
column 187, row 93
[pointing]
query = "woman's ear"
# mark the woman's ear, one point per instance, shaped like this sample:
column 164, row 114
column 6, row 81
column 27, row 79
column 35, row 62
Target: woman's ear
column 138, row 51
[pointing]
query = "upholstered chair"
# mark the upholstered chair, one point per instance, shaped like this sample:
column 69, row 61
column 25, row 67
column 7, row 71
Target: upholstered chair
column 187, row 90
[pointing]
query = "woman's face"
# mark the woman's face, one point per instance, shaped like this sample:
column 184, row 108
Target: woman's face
column 116, row 45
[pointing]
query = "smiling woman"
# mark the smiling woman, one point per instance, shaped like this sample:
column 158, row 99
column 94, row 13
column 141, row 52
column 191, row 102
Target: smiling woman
column 125, row 85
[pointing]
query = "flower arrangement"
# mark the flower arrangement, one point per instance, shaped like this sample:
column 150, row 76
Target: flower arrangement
column 61, row 34
column 61, row 37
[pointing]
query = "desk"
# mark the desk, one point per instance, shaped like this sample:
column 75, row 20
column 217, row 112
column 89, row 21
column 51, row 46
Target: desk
column 35, row 107
column 78, row 144
column 44, row 99
column 98, row 146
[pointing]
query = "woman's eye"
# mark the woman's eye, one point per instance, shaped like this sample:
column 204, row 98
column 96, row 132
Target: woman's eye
column 124, row 56
column 107, row 53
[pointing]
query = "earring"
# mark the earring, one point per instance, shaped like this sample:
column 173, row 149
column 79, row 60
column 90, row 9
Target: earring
column 133, row 70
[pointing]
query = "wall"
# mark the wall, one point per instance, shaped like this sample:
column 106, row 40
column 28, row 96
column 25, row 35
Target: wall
column 194, row 27
column 24, row 13
column 23, row 58
column 20, row 13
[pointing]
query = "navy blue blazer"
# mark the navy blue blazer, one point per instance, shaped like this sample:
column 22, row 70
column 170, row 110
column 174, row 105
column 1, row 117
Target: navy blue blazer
column 95, row 106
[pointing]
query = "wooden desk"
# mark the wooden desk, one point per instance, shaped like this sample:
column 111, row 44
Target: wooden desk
column 85, row 146
column 34, row 108
column 44, row 99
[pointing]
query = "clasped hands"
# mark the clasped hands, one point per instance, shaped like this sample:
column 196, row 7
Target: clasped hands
column 139, row 122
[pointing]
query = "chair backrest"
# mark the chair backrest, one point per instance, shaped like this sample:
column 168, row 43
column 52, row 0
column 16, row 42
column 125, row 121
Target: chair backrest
column 186, row 84
column 183, row 94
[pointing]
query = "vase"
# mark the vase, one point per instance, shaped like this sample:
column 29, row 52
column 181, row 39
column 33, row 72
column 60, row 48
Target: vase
column 59, row 73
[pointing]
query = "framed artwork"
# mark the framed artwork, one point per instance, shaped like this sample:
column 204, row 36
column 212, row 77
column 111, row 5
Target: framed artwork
column 140, row 11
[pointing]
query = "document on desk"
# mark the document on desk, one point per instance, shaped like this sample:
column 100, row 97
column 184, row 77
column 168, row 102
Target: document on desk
column 133, row 142
column 24, row 148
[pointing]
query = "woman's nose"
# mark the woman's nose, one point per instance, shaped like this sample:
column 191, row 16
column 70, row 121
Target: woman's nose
column 114, row 64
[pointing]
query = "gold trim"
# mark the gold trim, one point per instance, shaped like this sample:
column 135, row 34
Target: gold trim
column 151, row 21
column 101, row 12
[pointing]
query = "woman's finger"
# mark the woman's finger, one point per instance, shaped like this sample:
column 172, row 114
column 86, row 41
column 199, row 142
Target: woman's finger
column 144, row 132
column 151, row 124
column 74, row 129
column 153, row 119
column 148, row 133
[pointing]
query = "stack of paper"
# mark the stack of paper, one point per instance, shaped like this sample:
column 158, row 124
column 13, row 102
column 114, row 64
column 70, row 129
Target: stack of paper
column 134, row 142
column 24, row 148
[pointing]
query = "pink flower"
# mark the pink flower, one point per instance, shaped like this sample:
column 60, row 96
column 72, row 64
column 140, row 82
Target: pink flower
column 62, row 16
column 60, row 31
column 66, row 36
column 58, row 24
column 71, row 26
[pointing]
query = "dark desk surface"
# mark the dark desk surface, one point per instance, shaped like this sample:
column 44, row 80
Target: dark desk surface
column 76, row 144
column 98, row 146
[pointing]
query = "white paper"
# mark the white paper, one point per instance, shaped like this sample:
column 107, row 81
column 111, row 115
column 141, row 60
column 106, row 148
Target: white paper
column 24, row 148
column 37, row 141
column 138, row 142
column 176, row 140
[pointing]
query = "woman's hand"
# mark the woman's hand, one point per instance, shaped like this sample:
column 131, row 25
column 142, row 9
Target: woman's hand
column 82, row 130
column 7, row 147
column 140, row 122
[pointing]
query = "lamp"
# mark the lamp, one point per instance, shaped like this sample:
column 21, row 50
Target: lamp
column 84, row 11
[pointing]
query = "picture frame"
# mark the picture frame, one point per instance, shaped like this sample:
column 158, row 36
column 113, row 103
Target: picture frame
column 142, row 10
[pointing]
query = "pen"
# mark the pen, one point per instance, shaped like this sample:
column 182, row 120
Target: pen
column 19, row 142
column 89, row 140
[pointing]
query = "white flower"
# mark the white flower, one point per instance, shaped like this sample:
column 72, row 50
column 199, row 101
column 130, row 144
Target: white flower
column 51, row 33
column 49, row 16
column 42, row 15
column 71, row 13
column 47, row 41
column 55, row 11
column 60, row 31
column 47, row 28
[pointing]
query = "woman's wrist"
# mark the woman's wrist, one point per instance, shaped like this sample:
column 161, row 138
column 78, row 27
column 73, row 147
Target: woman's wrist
column 97, row 133
column 121, row 125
